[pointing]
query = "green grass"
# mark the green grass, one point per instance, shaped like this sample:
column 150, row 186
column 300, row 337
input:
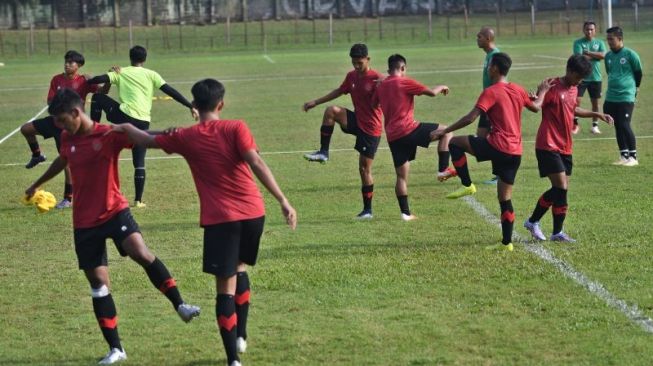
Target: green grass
column 338, row 291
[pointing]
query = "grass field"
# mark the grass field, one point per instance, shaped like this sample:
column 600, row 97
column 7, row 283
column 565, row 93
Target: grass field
column 337, row 291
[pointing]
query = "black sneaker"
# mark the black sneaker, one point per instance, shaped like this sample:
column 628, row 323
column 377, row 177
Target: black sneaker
column 34, row 161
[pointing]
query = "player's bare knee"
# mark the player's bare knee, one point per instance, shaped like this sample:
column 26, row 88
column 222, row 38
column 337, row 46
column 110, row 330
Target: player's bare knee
column 27, row 129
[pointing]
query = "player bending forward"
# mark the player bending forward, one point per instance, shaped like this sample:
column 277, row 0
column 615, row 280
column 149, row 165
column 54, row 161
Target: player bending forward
column 220, row 154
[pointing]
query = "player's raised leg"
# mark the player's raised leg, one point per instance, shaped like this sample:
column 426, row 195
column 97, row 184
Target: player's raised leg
column 458, row 146
column 30, row 132
column 332, row 115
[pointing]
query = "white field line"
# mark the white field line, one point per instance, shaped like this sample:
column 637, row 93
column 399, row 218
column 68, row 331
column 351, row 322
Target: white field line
column 18, row 128
column 551, row 57
column 308, row 151
column 312, row 77
column 595, row 288
column 268, row 59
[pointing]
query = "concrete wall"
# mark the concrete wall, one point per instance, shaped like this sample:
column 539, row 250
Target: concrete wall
column 87, row 13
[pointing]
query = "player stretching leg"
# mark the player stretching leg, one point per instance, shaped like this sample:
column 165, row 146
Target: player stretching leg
column 503, row 103
column 553, row 146
column 46, row 127
column 220, row 154
column 100, row 211
column 364, row 122
column 396, row 96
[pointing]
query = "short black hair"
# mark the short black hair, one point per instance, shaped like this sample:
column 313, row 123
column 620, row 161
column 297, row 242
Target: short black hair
column 502, row 61
column 138, row 54
column 359, row 50
column 75, row 57
column 395, row 61
column 207, row 94
column 616, row 31
column 65, row 101
column 580, row 65
column 589, row 22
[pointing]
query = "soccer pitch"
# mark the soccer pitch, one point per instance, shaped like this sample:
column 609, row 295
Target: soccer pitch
column 337, row 291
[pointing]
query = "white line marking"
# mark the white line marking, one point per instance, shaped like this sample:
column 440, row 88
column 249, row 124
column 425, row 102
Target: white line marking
column 595, row 288
column 269, row 59
column 18, row 129
column 551, row 57
column 310, row 151
column 313, row 77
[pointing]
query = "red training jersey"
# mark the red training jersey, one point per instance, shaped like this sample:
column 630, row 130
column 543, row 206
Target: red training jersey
column 361, row 88
column 558, row 110
column 396, row 96
column 77, row 83
column 214, row 152
column 93, row 162
column 503, row 103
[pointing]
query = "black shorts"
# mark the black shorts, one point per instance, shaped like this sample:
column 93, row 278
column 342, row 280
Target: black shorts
column 405, row 148
column 90, row 243
column 47, row 128
column 366, row 144
column 593, row 88
column 483, row 121
column 549, row 162
column 114, row 114
column 227, row 244
column 622, row 112
column 504, row 165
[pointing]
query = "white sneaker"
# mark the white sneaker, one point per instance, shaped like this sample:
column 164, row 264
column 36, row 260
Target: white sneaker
column 187, row 312
column 364, row 215
column 65, row 203
column 595, row 130
column 319, row 156
column 621, row 161
column 114, row 355
column 235, row 363
column 562, row 237
column 534, row 229
column 410, row 217
column 241, row 345
column 631, row 162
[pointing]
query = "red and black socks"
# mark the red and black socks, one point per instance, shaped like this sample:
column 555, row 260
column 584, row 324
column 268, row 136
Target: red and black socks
column 162, row 280
column 443, row 160
column 559, row 209
column 325, row 137
column 225, row 312
column 242, row 303
column 507, row 221
column 460, row 163
column 367, row 193
column 543, row 203
column 105, row 313
column 34, row 148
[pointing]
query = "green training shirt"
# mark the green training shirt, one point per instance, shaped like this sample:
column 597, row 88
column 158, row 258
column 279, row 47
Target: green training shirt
column 135, row 89
column 620, row 67
column 486, row 77
column 595, row 45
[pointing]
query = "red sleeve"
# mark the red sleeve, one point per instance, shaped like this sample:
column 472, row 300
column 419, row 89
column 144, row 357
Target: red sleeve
column 486, row 100
column 53, row 89
column 413, row 87
column 345, row 87
column 120, row 141
column 171, row 143
column 244, row 139
column 91, row 88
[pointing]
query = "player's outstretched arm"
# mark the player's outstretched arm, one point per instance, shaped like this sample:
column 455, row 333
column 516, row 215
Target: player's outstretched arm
column 263, row 173
column 100, row 79
column 136, row 136
column 335, row 93
column 584, row 113
column 55, row 168
column 172, row 92
column 542, row 89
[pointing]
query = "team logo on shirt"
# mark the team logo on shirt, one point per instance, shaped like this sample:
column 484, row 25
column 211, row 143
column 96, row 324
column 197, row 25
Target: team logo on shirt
column 595, row 46
column 97, row 145
column 369, row 87
column 622, row 61
column 72, row 149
